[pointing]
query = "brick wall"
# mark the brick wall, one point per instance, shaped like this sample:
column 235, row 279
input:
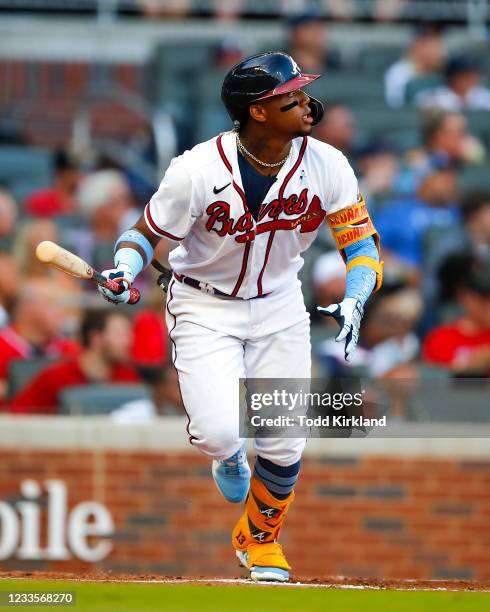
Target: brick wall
column 42, row 98
column 356, row 516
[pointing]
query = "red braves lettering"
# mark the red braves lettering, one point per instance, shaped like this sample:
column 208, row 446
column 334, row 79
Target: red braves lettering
column 219, row 215
column 294, row 205
column 310, row 217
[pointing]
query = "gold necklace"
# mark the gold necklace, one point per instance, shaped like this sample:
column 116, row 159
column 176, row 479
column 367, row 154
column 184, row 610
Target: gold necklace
column 242, row 149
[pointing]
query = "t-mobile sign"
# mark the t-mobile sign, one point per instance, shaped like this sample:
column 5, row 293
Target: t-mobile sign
column 82, row 532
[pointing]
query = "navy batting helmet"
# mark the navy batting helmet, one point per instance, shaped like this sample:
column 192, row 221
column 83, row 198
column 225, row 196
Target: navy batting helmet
column 262, row 76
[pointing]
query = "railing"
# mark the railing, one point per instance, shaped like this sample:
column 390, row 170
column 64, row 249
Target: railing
column 469, row 11
column 158, row 120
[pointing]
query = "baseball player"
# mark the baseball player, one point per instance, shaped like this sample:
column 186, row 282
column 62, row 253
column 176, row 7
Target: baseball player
column 242, row 207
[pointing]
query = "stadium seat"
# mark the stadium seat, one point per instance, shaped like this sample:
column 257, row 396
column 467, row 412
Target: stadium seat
column 350, row 88
column 64, row 222
column 102, row 255
column 211, row 116
column 17, row 163
column 475, row 178
column 378, row 60
column 479, row 125
column 400, row 127
column 449, row 401
column 22, row 371
column 421, row 84
column 173, row 65
column 99, row 399
column 212, row 121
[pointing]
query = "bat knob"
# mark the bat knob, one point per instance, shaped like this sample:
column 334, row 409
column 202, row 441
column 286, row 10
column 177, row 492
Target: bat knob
column 118, row 287
column 134, row 296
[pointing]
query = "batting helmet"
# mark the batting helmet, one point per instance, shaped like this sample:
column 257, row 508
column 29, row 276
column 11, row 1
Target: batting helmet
column 262, row 76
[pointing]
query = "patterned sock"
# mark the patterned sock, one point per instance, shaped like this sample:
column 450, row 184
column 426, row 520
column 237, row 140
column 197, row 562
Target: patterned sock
column 278, row 479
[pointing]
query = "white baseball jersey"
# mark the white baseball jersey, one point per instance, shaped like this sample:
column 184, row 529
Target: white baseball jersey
column 201, row 203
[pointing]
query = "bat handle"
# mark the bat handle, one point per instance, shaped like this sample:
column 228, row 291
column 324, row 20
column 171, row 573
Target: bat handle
column 117, row 288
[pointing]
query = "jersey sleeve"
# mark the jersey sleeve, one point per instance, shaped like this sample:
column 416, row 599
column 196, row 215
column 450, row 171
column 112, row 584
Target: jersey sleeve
column 168, row 213
column 344, row 190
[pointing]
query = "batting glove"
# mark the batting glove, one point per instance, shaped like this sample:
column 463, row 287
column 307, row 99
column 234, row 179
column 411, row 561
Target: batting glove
column 348, row 315
column 123, row 276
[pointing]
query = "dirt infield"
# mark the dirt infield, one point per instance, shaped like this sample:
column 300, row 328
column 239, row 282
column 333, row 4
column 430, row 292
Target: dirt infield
column 321, row 582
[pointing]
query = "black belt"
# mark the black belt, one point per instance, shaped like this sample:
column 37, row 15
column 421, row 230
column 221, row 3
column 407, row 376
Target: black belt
column 209, row 289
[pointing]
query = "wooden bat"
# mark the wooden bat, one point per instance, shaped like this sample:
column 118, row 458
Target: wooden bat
column 51, row 253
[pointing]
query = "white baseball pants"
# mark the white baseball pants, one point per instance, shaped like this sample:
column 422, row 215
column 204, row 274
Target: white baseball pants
column 216, row 342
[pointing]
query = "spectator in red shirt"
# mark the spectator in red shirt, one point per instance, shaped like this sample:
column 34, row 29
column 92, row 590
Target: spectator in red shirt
column 464, row 345
column 35, row 331
column 106, row 339
column 60, row 198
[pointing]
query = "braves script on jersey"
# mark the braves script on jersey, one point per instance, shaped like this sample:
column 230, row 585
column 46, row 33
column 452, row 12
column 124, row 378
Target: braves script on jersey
column 201, row 203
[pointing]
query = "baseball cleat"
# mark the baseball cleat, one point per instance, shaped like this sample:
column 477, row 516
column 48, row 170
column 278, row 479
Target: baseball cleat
column 266, row 562
column 232, row 476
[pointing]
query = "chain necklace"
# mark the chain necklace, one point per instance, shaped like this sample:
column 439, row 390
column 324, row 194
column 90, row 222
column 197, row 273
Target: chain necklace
column 242, row 149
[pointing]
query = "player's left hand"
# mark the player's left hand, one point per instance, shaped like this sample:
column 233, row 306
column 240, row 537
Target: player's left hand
column 348, row 315
column 124, row 277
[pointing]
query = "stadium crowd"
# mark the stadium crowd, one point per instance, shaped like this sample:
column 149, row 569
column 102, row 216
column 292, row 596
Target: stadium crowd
column 432, row 314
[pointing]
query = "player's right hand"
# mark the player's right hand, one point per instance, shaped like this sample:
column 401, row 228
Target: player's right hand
column 124, row 277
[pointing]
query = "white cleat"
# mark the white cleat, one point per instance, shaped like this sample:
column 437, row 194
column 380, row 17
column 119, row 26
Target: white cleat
column 259, row 574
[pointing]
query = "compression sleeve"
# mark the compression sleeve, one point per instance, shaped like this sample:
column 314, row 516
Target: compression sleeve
column 361, row 279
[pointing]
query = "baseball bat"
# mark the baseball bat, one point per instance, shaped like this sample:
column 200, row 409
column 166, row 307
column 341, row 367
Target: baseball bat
column 51, row 253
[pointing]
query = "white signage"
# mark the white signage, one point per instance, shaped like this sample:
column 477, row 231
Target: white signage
column 68, row 533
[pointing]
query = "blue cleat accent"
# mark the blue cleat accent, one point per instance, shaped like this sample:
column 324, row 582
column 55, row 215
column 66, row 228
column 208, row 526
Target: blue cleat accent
column 232, row 476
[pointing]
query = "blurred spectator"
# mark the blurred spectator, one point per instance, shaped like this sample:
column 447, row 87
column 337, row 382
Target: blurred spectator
column 30, row 234
column 169, row 8
column 337, row 128
column 424, row 58
column 8, row 218
column 444, row 249
column 444, row 135
column 60, row 198
column 390, row 329
column 9, row 284
column 227, row 53
column 462, row 90
column 339, row 9
column 36, row 329
column 227, row 10
column 106, row 338
column 166, row 399
column 378, row 170
column 388, row 338
column 328, row 279
column 476, row 217
column 472, row 236
column 106, row 200
column 150, row 337
column 308, row 43
column 388, row 10
column 464, row 345
column 402, row 223
column 447, row 133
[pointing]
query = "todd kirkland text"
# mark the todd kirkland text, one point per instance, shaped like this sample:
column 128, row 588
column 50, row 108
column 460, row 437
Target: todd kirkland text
column 318, row 421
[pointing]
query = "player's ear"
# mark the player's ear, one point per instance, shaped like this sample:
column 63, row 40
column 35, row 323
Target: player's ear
column 257, row 112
